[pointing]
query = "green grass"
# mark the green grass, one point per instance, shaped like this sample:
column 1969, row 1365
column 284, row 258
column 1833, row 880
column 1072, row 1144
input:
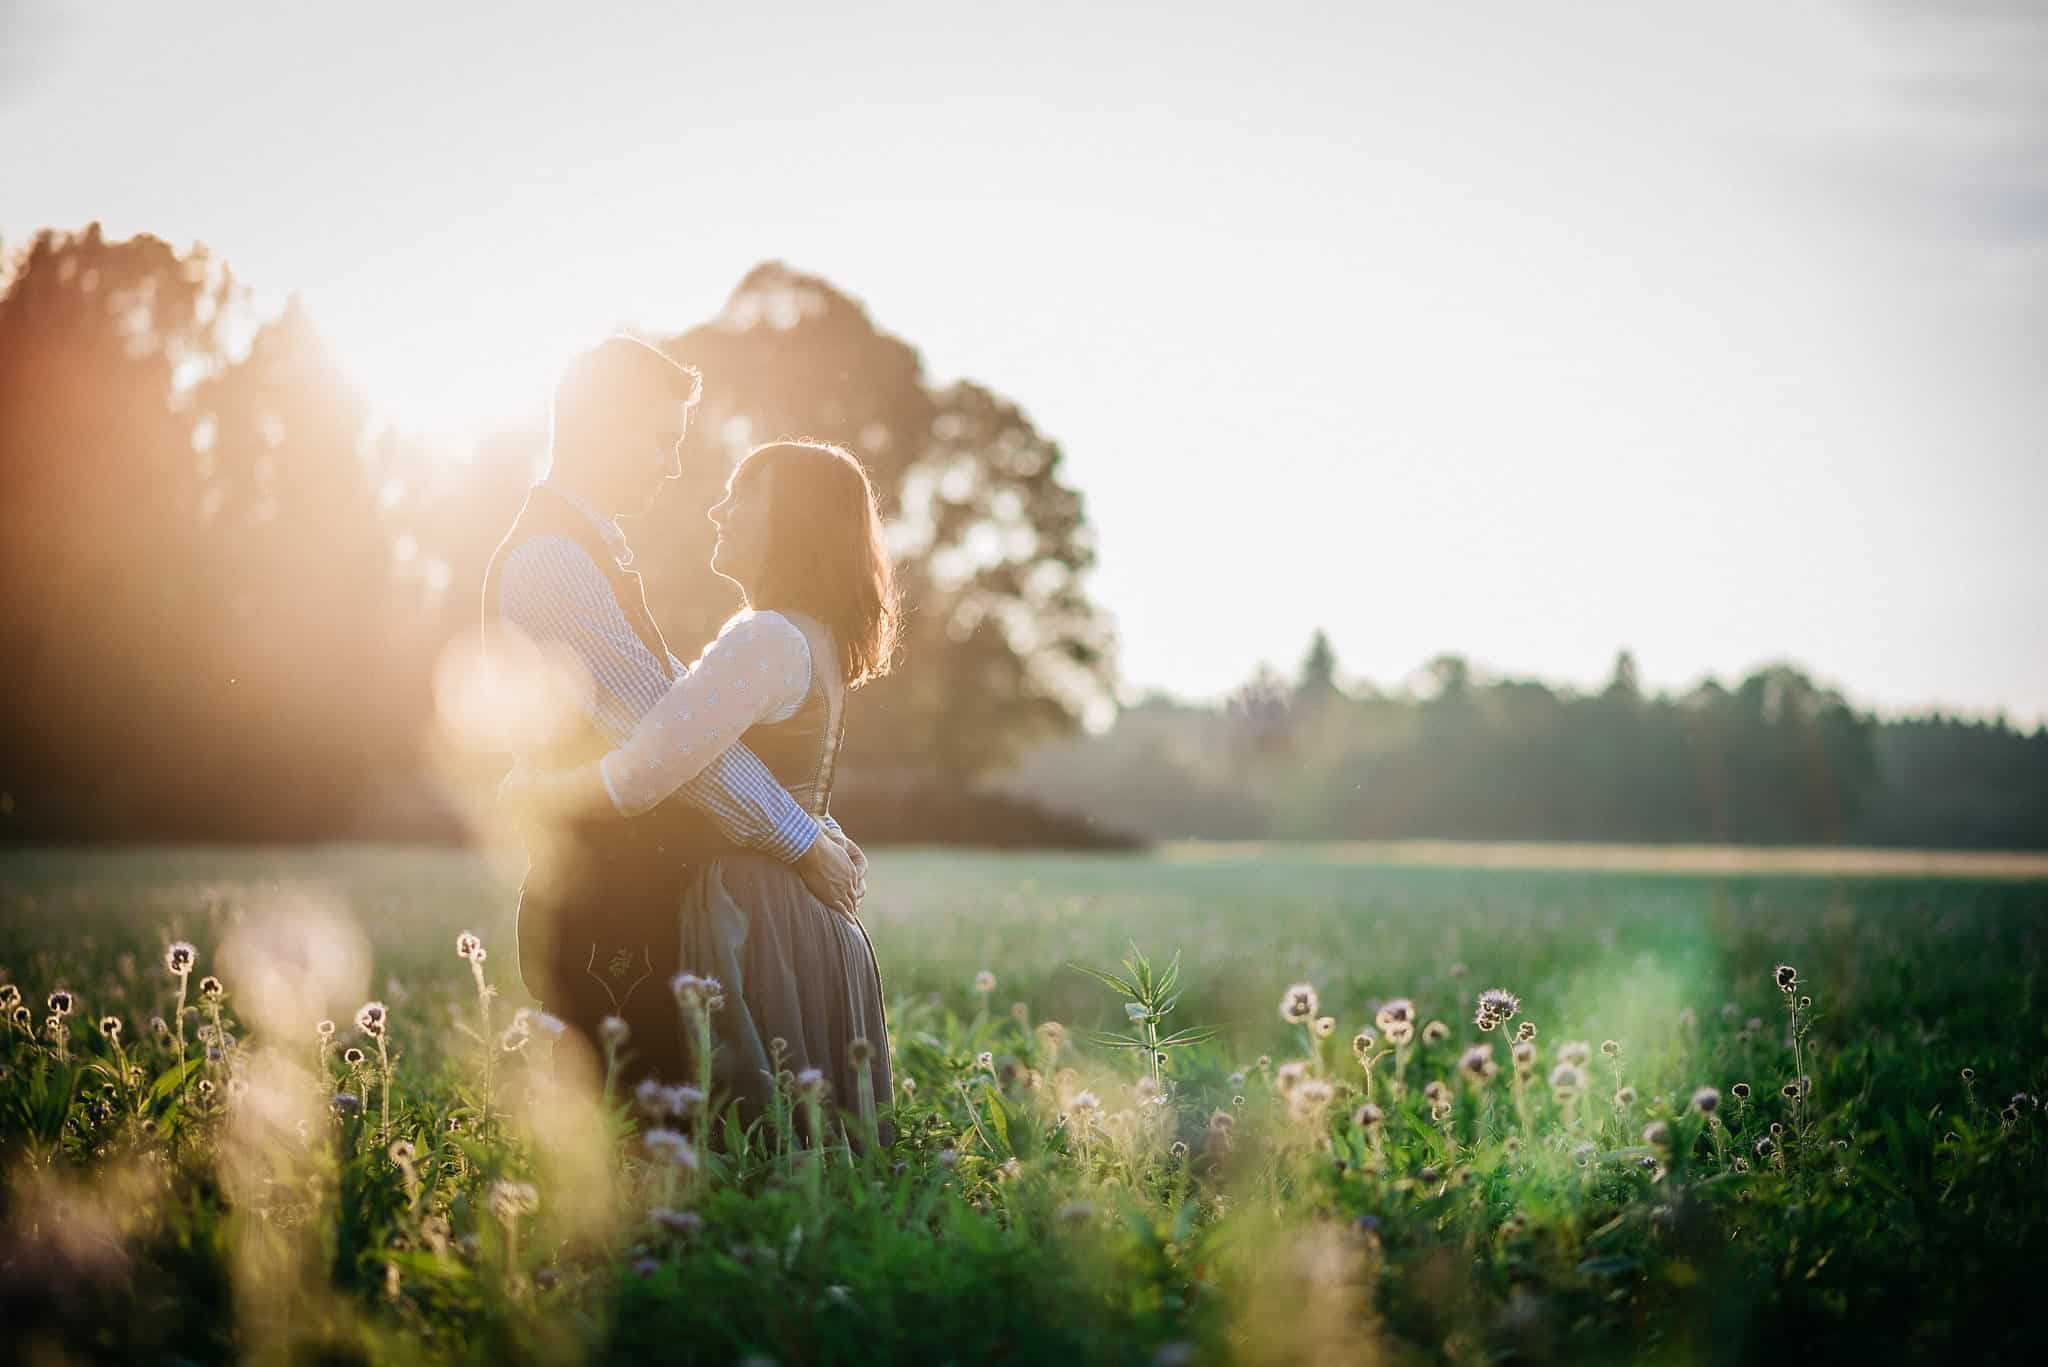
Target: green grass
column 1893, row 1218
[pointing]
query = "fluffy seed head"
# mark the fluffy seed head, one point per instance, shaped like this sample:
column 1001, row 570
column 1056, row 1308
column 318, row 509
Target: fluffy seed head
column 1497, row 1006
column 1740, row 1091
column 352, row 1056
column 210, row 989
column 110, row 1026
column 1477, row 1064
column 467, row 944
column 61, row 1002
column 1525, row 1032
column 22, row 1017
column 10, row 997
column 1362, row 1043
column 1298, row 1004
column 180, row 957
column 1398, row 1011
column 371, row 1019
column 1787, row 978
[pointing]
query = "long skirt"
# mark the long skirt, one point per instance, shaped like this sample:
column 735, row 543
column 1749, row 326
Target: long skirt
column 794, row 971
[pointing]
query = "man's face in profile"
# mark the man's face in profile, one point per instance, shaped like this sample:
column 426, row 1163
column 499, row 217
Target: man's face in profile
column 655, row 452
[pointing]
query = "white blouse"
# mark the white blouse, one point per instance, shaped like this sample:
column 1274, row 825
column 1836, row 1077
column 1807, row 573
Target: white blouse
column 757, row 671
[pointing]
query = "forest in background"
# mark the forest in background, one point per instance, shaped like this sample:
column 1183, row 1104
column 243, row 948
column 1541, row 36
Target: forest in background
column 1775, row 759
column 227, row 591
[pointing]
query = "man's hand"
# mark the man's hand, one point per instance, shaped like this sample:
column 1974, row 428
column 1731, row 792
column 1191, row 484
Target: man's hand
column 829, row 872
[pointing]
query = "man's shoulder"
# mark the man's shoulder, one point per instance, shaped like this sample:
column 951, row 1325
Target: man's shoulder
column 548, row 567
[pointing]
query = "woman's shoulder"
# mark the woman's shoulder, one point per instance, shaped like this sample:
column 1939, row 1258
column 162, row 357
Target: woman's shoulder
column 768, row 640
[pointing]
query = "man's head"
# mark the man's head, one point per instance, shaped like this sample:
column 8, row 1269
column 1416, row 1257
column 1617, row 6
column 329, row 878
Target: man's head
column 620, row 412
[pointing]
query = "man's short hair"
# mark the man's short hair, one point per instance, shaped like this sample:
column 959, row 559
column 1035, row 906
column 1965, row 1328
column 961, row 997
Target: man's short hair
column 619, row 371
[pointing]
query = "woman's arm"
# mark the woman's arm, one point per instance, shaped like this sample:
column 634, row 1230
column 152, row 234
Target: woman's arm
column 758, row 668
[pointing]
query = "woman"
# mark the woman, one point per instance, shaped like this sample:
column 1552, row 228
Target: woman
column 800, row 534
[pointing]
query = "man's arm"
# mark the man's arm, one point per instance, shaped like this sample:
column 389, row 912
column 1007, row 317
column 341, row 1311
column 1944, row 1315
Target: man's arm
column 550, row 590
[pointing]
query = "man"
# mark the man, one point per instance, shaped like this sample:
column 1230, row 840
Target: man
column 597, row 912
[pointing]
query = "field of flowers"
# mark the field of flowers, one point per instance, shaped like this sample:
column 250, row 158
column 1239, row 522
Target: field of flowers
column 293, row 1106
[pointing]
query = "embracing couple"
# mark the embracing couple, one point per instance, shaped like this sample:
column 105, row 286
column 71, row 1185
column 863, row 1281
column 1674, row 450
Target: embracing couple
column 682, row 824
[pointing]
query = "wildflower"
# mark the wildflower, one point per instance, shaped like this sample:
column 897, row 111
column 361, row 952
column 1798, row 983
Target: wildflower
column 1009, row 1171
column 513, row 1037
column 1806, row 1003
column 1431, row 1175
column 1777, row 1130
column 1625, row 1096
column 1657, row 1134
column 1362, row 1043
column 345, row 1103
column 1578, row 1053
column 1610, row 1048
column 614, row 1031
column 1075, row 1212
column 1084, row 1102
column 1583, row 1154
column 1523, row 1052
column 205, row 1087
column 810, row 1082
column 1400, row 1032
column 352, row 1056
column 1567, row 1079
column 1764, row 1147
column 551, row 1026
column 1496, row 1006
column 1399, row 1011
column 110, row 1026
column 510, row 1200
column 1740, row 1091
column 1525, row 1032
column 985, row 1060
column 1368, row 1116
column 370, row 1020
column 325, row 1030
column 683, row 1222
column 984, row 982
column 1477, row 1064
column 10, row 997
column 1436, row 1093
column 401, row 1151
column 1753, row 1024
column 648, row 1096
column 1298, row 1004
column 1221, row 1122
column 1688, row 1019
column 1788, row 979
column 671, row 1147
column 949, row 1159
column 1311, row 1097
column 23, row 1017
column 210, row 989
column 1969, row 1074
column 467, row 944
column 1457, row 970
column 180, row 958
column 1796, row 1088
column 2021, row 1101
column 1290, row 1076
column 1436, row 1032
column 1325, row 1026
column 61, row 1002
column 859, row 1053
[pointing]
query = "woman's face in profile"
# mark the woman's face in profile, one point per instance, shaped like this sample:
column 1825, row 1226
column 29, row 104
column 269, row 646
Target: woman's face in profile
column 742, row 522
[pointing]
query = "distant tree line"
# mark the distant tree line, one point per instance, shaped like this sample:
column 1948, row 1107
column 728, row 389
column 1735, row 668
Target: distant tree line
column 1776, row 759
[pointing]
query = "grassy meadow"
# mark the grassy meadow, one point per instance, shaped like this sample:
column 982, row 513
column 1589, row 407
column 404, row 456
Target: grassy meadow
column 1687, row 1162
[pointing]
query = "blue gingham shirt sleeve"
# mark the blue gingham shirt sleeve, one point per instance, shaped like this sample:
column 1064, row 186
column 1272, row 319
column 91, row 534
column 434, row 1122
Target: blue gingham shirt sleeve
column 550, row 590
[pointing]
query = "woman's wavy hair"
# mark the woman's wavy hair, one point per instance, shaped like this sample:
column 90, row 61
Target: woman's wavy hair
column 826, row 554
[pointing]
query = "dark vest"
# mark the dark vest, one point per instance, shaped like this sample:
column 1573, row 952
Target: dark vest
column 607, row 881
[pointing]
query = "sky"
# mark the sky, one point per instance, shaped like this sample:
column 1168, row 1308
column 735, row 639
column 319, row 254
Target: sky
column 1530, row 332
